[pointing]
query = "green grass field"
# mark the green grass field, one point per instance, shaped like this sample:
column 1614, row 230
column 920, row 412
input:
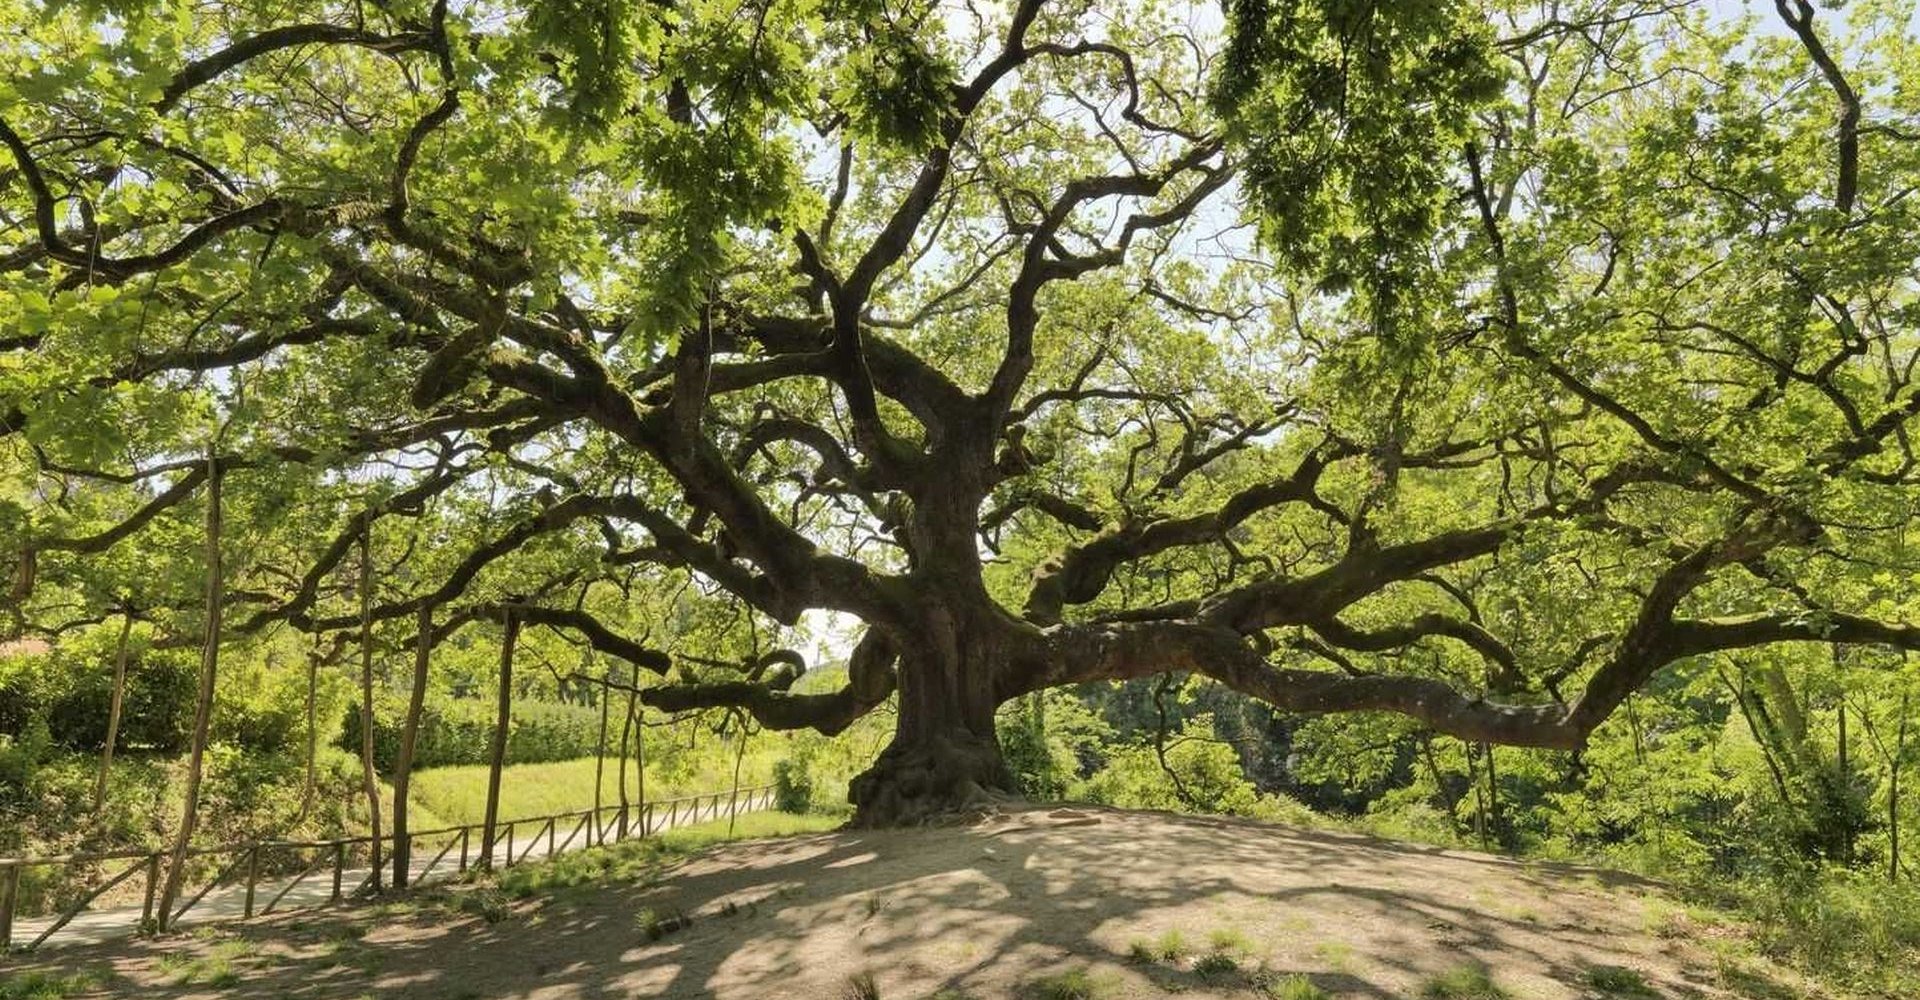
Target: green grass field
column 459, row 794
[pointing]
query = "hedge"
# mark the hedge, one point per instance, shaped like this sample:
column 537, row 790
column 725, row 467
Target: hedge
column 73, row 700
column 460, row 731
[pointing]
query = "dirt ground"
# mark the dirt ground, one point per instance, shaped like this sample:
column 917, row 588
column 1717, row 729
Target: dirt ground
column 1003, row 908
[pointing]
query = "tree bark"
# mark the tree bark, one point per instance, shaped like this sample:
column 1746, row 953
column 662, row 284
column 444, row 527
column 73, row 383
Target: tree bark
column 369, row 780
column 203, row 705
column 503, row 714
column 945, row 757
column 409, row 735
column 113, row 710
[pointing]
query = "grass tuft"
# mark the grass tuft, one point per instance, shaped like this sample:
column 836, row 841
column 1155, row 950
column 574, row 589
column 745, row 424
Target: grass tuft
column 1171, row 946
column 47, row 985
column 1294, row 986
column 656, row 924
column 861, row 986
column 1463, row 982
column 1073, row 984
column 214, row 968
column 487, row 904
column 1618, row 981
column 1215, row 966
column 1230, row 941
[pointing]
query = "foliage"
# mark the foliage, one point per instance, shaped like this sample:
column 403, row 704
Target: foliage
column 48, row 985
column 71, row 698
column 1551, row 447
column 1200, row 775
column 792, row 786
column 460, row 731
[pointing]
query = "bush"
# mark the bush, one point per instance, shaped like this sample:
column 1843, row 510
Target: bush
column 460, row 731
column 71, row 693
column 156, row 715
column 792, row 786
column 1209, row 780
column 1849, row 926
column 1041, row 762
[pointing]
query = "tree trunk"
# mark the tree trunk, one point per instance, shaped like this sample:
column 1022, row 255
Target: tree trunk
column 113, row 710
column 503, row 714
column 944, row 758
column 368, row 779
column 409, row 736
column 203, row 706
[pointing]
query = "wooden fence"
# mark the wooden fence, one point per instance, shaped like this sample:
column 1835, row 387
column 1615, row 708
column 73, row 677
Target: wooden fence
column 275, row 860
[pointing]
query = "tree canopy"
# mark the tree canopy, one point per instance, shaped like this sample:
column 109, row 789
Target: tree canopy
column 1469, row 360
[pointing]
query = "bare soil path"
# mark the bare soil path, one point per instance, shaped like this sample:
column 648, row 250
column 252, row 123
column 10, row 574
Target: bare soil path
column 1004, row 907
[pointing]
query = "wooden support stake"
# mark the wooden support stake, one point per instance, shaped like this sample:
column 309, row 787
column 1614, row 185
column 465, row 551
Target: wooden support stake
column 153, row 888
column 339, row 867
column 253, row 879
column 9, row 897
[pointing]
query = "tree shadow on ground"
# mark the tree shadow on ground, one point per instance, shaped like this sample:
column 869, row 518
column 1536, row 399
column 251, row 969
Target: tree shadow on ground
column 979, row 911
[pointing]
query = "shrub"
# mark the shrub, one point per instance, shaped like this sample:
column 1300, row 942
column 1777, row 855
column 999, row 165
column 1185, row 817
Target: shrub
column 460, row 731
column 71, row 693
column 1847, row 925
column 792, row 786
column 1208, row 772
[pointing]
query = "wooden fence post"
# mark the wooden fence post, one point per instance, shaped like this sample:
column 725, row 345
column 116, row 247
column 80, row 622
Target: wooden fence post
column 9, row 897
column 253, row 878
column 339, row 866
column 153, row 887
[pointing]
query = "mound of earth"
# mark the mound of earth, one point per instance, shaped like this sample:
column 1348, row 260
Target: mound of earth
column 1070, row 902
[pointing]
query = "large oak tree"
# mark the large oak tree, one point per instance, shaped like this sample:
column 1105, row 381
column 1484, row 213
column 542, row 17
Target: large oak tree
column 1467, row 360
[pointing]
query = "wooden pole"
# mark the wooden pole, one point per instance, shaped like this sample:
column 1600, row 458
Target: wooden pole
column 114, row 708
column 626, row 733
column 9, row 897
column 600, row 751
column 153, row 888
column 253, row 879
column 313, row 728
column 203, row 703
column 733, row 799
column 368, row 779
column 409, row 736
column 1893, row 791
column 639, row 713
column 503, row 715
